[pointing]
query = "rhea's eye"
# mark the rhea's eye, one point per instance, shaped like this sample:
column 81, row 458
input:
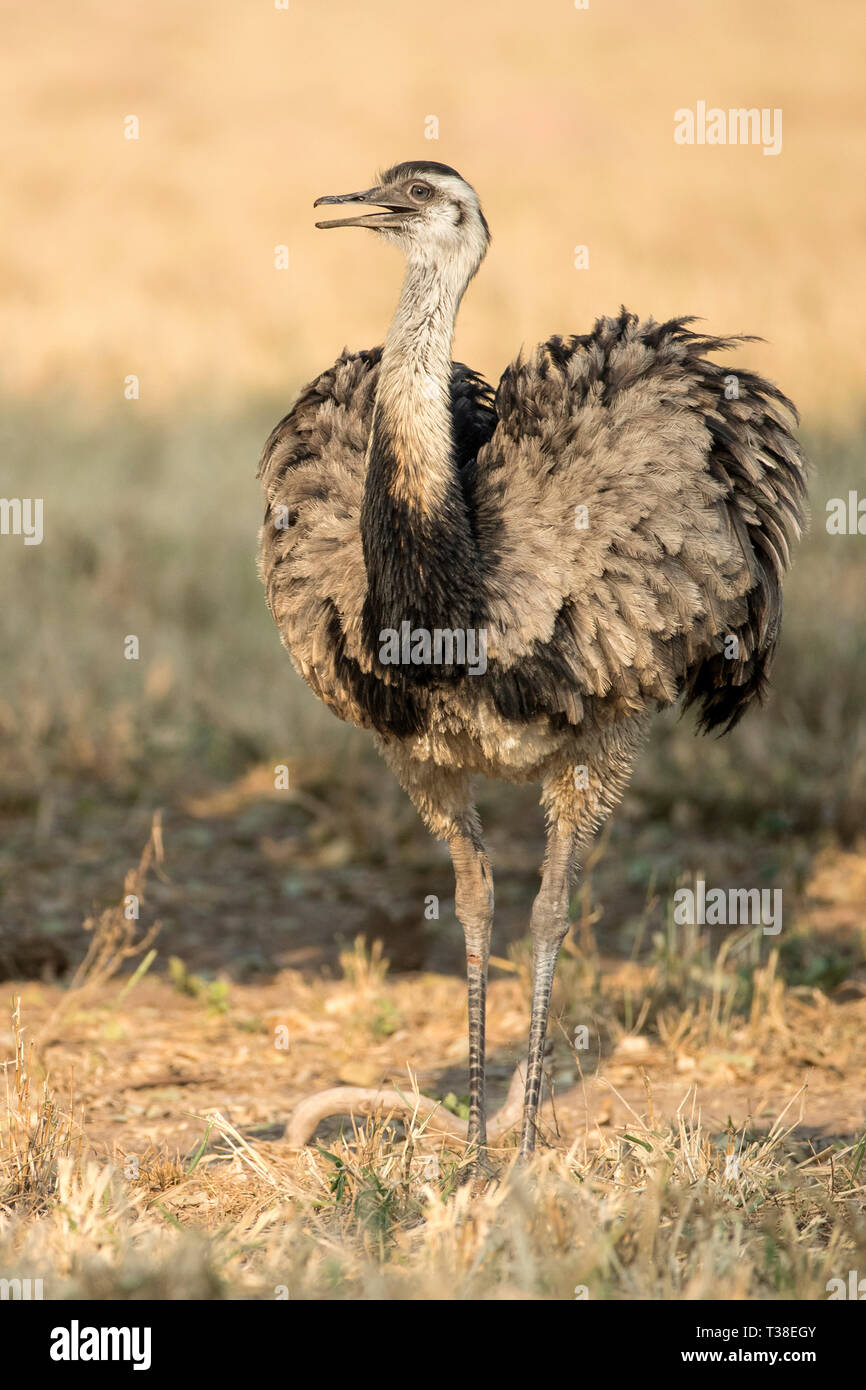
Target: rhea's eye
column 421, row 191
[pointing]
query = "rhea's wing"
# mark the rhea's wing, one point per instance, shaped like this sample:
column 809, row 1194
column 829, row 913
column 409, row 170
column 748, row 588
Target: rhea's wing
column 636, row 504
column 310, row 556
column 311, row 559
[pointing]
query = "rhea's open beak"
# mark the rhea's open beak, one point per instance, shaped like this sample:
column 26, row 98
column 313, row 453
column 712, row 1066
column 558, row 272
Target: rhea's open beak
column 395, row 203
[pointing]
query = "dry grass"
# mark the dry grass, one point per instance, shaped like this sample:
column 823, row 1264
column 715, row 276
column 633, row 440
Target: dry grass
column 114, row 939
column 688, row 1158
column 38, row 1136
column 653, row 1208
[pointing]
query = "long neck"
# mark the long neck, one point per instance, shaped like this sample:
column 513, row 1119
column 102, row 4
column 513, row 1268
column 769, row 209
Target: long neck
column 413, row 400
column 419, row 551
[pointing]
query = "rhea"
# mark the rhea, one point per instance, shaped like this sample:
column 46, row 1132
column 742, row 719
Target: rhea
column 616, row 521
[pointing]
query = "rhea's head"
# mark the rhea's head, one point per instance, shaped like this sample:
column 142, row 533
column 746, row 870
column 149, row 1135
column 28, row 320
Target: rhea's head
column 426, row 209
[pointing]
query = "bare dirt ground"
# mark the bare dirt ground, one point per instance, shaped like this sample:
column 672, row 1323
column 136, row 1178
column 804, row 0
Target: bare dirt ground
column 704, row 1127
column 261, row 906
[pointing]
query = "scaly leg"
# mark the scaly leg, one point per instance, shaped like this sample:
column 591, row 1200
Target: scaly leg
column 577, row 798
column 548, row 926
column 443, row 797
column 474, row 906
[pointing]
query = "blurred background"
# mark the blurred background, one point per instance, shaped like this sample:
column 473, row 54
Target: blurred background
column 154, row 258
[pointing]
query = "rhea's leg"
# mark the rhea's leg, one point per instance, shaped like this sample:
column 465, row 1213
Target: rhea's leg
column 443, row 796
column 548, row 927
column 577, row 798
column 474, row 906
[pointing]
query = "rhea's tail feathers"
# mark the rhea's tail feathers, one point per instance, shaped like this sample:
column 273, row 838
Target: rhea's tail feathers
column 757, row 458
